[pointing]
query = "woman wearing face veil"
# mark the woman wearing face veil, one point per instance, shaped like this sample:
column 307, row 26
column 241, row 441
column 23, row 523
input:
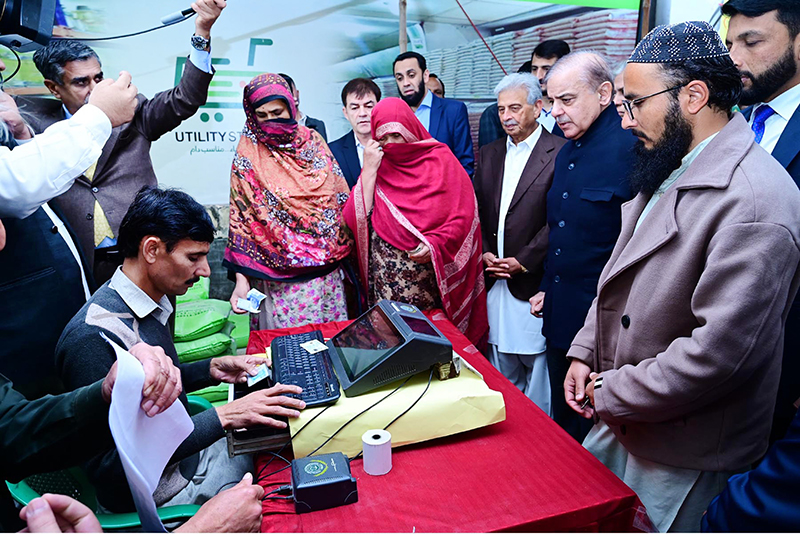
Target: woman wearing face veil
column 287, row 191
column 415, row 220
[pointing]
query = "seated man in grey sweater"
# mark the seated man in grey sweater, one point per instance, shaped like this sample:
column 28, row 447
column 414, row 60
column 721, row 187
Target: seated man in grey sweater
column 165, row 238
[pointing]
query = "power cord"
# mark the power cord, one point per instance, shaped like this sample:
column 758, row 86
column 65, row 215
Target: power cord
column 430, row 378
column 187, row 17
column 395, row 390
column 3, row 79
column 259, row 477
column 286, row 489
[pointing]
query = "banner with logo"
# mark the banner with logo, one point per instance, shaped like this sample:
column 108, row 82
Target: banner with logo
column 321, row 45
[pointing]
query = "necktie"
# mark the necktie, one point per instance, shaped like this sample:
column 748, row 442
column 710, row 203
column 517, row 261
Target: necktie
column 102, row 228
column 761, row 115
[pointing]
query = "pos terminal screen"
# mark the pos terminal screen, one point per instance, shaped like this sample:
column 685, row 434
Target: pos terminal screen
column 365, row 342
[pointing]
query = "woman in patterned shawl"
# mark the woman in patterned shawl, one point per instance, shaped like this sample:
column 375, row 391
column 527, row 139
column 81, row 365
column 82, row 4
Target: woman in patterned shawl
column 415, row 218
column 286, row 236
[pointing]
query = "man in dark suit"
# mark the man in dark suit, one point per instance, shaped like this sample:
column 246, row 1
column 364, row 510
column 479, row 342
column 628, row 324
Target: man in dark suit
column 359, row 96
column 764, row 41
column 583, row 211
column 98, row 200
column 766, row 499
column 445, row 119
column 303, row 119
column 511, row 182
column 40, row 265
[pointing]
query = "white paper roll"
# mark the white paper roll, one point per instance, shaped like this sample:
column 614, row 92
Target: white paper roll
column 377, row 452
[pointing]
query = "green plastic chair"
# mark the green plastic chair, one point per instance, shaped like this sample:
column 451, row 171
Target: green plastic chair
column 73, row 482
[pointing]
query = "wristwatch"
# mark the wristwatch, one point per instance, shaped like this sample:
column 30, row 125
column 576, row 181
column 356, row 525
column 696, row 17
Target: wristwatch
column 201, row 43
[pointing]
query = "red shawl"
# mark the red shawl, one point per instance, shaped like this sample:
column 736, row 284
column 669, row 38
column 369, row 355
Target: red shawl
column 423, row 194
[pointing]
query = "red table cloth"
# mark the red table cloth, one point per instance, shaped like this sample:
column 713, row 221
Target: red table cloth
column 523, row 474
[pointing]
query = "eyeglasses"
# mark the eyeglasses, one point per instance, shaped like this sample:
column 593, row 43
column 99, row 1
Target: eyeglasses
column 630, row 104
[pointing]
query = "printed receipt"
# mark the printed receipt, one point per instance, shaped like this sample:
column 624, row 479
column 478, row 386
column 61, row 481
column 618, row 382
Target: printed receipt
column 145, row 444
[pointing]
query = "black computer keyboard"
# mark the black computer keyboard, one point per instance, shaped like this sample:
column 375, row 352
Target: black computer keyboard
column 292, row 364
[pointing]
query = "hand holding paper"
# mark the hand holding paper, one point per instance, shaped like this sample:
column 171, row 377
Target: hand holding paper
column 162, row 380
column 144, row 444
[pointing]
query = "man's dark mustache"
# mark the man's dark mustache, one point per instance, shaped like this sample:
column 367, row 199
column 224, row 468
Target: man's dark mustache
column 640, row 135
column 193, row 280
column 748, row 75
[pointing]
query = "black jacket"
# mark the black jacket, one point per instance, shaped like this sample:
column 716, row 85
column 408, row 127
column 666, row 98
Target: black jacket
column 346, row 154
column 584, row 215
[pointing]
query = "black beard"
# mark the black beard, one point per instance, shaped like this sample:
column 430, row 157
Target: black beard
column 415, row 98
column 767, row 83
column 652, row 166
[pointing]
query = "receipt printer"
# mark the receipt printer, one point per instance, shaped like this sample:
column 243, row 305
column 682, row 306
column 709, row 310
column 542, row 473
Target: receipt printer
column 322, row 481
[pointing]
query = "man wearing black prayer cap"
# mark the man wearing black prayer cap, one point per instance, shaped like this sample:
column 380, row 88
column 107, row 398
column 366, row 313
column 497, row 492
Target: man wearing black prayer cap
column 681, row 351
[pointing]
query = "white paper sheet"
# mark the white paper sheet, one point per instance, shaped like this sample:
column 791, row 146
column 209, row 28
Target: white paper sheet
column 145, row 444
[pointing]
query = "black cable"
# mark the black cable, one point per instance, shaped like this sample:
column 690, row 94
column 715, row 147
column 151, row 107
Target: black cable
column 3, row 79
column 277, row 455
column 430, row 378
column 276, row 472
column 365, row 410
column 395, row 390
column 259, row 477
column 126, row 35
column 283, row 488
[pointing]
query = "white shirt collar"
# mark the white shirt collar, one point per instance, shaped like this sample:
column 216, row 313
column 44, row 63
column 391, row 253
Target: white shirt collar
column 137, row 300
column 528, row 143
column 786, row 103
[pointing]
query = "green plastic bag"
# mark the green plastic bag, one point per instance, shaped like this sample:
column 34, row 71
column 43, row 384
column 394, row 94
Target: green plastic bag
column 214, row 393
column 198, row 291
column 241, row 330
column 205, row 347
column 195, row 320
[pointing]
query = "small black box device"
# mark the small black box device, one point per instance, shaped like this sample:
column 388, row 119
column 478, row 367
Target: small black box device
column 322, row 481
column 391, row 341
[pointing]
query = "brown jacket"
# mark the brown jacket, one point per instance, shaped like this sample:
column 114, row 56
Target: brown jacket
column 526, row 220
column 687, row 327
column 124, row 165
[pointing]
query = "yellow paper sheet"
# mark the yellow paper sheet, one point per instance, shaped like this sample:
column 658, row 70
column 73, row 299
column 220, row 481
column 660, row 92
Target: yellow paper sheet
column 449, row 407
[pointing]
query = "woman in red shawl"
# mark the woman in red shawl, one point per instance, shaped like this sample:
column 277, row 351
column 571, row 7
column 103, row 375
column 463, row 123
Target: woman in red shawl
column 287, row 191
column 415, row 219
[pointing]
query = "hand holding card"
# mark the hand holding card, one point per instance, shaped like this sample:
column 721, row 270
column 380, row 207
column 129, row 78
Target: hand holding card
column 253, row 301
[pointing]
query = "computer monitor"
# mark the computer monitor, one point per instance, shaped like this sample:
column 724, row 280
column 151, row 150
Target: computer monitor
column 27, row 25
column 391, row 341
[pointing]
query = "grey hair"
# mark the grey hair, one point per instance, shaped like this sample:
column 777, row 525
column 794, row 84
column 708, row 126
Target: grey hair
column 592, row 68
column 521, row 80
column 51, row 59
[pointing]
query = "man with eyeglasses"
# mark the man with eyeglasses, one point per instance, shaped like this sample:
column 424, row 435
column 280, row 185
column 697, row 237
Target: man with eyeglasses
column 679, row 359
column 583, row 211
column 98, row 199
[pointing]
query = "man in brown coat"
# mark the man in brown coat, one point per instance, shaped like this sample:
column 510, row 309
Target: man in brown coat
column 95, row 204
column 682, row 347
column 511, row 183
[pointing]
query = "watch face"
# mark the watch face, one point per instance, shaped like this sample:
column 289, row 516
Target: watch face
column 200, row 43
